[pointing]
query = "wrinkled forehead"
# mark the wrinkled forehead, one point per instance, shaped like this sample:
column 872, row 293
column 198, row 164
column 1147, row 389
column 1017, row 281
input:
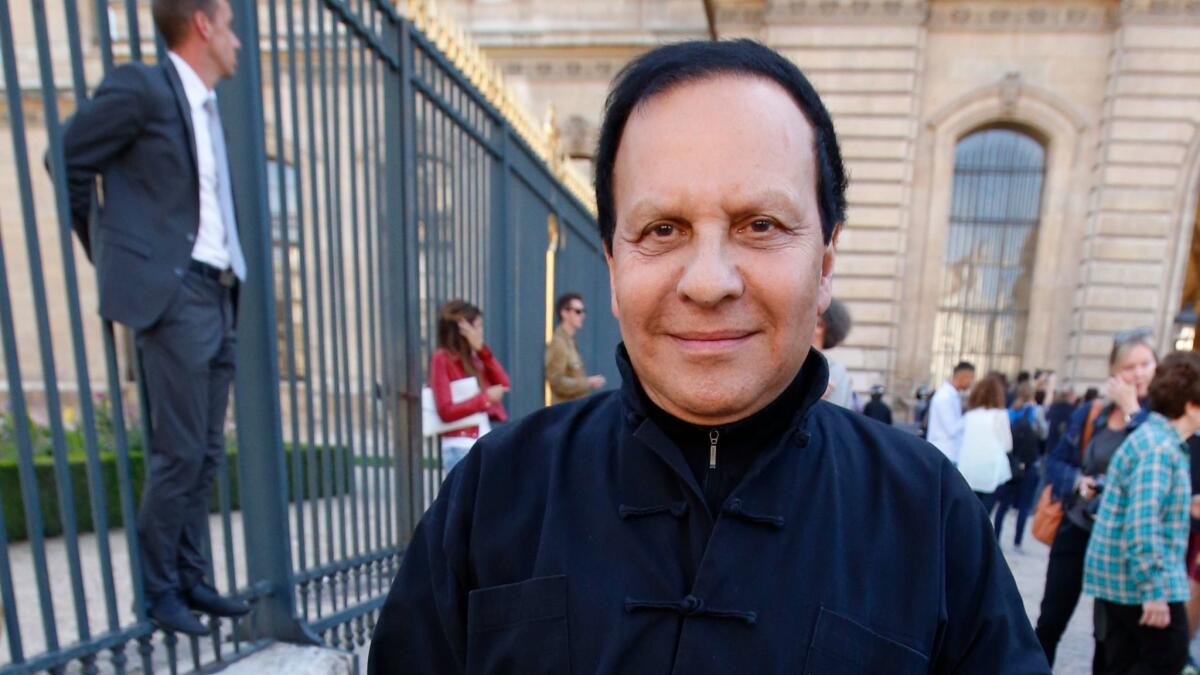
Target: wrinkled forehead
column 721, row 136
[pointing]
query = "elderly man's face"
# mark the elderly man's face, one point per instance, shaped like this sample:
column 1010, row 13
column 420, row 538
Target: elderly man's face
column 718, row 264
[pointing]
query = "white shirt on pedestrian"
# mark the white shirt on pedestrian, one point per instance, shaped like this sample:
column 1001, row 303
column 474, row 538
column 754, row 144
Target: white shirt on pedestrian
column 210, row 247
column 843, row 387
column 986, row 442
column 946, row 421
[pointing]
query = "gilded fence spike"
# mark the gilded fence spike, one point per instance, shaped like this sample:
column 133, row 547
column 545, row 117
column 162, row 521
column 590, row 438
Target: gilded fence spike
column 544, row 139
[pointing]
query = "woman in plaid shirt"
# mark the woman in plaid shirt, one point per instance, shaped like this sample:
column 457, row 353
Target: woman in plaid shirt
column 1135, row 560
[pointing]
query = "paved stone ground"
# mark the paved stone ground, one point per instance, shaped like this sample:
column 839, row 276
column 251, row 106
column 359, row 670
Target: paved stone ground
column 287, row 659
column 1028, row 565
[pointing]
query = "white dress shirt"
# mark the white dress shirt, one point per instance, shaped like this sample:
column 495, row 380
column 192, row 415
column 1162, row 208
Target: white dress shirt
column 210, row 245
column 946, row 421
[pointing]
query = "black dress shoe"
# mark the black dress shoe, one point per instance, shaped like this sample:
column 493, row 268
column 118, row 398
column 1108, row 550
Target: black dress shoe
column 205, row 598
column 170, row 614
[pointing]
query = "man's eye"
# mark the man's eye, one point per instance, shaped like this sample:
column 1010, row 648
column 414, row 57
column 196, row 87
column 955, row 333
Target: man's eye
column 662, row 230
column 761, row 225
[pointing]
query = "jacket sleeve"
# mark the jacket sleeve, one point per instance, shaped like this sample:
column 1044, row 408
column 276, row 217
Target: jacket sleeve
column 439, row 381
column 1063, row 462
column 99, row 132
column 491, row 366
column 983, row 628
column 422, row 627
column 561, row 384
column 1144, row 533
column 1004, row 430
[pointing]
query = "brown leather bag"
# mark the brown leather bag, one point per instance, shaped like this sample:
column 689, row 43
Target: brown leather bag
column 1049, row 513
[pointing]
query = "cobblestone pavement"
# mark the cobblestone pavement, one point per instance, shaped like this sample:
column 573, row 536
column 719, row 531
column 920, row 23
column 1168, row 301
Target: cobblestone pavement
column 1028, row 565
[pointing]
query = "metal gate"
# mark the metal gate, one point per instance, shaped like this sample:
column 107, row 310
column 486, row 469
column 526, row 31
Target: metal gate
column 381, row 169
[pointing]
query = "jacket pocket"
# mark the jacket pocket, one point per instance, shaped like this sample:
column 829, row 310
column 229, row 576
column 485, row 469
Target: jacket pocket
column 842, row 646
column 127, row 242
column 519, row 628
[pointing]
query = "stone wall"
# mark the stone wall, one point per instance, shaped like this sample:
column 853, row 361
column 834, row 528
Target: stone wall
column 1146, row 177
column 1111, row 88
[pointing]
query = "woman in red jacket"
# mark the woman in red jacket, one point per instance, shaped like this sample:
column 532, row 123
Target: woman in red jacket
column 462, row 354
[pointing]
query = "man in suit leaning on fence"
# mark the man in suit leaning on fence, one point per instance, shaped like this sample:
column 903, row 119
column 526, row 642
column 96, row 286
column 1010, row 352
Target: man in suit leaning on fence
column 168, row 260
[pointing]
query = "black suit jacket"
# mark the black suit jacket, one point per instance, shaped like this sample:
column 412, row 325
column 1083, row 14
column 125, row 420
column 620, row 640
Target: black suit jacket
column 136, row 134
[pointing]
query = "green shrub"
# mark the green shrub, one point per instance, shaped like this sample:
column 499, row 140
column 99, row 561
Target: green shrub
column 44, row 476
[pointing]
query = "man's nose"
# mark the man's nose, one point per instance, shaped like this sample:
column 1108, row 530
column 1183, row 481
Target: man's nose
column 712, row 274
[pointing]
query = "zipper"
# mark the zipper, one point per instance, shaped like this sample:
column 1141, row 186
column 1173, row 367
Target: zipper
column 713, row 437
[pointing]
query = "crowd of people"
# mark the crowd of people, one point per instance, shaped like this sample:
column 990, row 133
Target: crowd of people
column 1116, row 469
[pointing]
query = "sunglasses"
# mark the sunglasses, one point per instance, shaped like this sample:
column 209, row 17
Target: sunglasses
column 578, row 310
column 1133, row 335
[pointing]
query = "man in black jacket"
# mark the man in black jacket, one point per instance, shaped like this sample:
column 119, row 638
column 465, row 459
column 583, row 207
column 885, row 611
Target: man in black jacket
column 714, row 515
column 876, row 409
column 167, row 257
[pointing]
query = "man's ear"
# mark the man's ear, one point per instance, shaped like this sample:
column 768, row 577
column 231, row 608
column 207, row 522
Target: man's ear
column 825, row 289
column 201, row 24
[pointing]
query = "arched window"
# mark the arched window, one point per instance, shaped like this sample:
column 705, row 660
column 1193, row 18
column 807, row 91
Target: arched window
column 991, row 242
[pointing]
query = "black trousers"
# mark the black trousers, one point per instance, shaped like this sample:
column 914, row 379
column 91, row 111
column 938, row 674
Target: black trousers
column 1064, row 582
column 1125, row 648
column 188, row 364
column 988, row 499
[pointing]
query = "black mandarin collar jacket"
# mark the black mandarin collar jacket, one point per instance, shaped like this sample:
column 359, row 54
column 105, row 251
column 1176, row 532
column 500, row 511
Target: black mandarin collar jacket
column 579, row 540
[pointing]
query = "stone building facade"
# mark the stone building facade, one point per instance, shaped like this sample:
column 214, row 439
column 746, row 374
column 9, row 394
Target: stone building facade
column 1024, row 173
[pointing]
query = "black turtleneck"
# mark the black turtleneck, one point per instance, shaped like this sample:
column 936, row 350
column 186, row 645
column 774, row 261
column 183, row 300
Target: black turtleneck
column 738, row 443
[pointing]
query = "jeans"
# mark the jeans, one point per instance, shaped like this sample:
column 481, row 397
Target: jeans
column 1018, row 494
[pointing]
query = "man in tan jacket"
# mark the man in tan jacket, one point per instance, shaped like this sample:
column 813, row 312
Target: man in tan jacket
column 564, row 368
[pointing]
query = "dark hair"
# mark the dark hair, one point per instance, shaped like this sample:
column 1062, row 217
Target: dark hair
column 1176, row 383
column 663, row 68
column 1022, row 376
column 448, row 335
column 987, row 393
column 1091, row 394
column 964, row 365
column 563, row 300
column 171, row 17
column 837, row 323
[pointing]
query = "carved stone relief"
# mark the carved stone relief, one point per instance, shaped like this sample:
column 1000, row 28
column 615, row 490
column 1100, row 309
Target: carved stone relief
column 914, row 11
column 557, row 69
column 1008, row 15
column 1160, row 10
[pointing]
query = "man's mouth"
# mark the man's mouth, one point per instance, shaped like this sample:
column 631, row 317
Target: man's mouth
column 715, row 341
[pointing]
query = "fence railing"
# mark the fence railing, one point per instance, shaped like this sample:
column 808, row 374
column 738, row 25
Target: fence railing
column 380, row 169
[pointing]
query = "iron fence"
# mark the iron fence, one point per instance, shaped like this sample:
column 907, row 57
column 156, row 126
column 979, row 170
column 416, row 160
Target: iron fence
column 379, row 173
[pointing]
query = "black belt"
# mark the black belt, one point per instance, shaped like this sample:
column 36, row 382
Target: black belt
column 224, row 277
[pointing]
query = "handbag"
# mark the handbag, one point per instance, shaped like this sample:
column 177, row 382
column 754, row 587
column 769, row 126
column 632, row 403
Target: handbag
column 1047, row 517
column 1049, row 513
column 460, row 390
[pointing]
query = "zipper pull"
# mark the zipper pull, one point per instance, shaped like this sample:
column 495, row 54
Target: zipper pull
column 712, row 448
